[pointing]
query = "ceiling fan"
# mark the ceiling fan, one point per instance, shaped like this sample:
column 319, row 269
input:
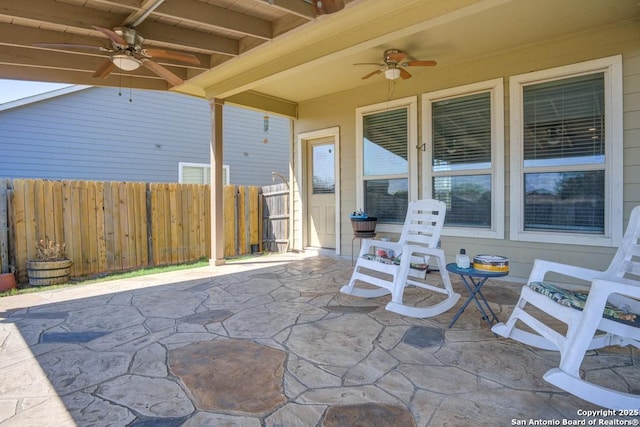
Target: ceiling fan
column 128, row 54
column 393, row 64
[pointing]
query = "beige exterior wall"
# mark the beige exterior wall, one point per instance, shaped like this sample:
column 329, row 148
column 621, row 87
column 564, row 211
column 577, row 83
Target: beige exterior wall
column 339, row 110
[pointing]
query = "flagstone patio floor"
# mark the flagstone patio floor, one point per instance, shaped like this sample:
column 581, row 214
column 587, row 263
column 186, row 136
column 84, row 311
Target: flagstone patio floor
column 270, row 341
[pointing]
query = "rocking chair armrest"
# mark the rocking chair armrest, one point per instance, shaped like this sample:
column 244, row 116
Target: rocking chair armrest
column 419, row 250
column 367, row 244
column 621, row 292
column 542, row 267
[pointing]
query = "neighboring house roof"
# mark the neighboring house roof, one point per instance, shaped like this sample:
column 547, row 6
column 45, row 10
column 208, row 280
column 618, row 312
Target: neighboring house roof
column 122, row 135
column 41, row 97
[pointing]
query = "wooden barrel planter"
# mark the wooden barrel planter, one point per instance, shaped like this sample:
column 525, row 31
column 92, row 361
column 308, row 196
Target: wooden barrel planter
column 46, row 273
column 364, row 227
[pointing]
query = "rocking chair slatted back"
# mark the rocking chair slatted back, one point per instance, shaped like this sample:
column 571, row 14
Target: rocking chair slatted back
column 425, row 219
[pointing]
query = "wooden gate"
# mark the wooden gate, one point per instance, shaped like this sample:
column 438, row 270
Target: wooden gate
column 275, row 218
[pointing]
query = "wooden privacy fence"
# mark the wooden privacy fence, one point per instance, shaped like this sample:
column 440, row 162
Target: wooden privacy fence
column 275, row 217
column 119, row 226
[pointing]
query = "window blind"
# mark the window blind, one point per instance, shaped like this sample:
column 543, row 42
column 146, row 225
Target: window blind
column 193, row 175
column 563, row 126
column 462, row 132
column 564, row 120
column 385, row 142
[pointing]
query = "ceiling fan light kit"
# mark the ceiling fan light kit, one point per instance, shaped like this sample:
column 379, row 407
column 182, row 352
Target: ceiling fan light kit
column 126, row 62
column 393, row 66
column 392, row 73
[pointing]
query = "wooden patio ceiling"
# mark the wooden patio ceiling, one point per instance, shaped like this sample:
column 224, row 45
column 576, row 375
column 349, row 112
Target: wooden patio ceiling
column 214, row 31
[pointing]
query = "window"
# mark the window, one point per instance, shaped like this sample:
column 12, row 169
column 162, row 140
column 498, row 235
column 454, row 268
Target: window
column 386, row 140
column 463, row 157
column 323, row 167
column 199, row 173
column 566, row 140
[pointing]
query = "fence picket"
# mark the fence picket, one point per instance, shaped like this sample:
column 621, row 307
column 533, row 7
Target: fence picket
column 101, row 248
column 4, row 226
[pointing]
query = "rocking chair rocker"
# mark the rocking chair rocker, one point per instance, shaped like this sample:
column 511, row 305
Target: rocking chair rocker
column 608, row 315
column 414, row 250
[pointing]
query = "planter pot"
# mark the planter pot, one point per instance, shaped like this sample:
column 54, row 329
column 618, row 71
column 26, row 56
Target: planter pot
column 7, row 281
column 45, row 273
column 364, row 225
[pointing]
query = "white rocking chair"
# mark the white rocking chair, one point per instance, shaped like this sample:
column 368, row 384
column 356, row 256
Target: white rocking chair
column 417, row 245
column 608, row 315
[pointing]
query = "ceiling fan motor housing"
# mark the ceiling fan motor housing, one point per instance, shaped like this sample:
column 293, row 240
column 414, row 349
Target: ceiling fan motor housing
column 134, row 39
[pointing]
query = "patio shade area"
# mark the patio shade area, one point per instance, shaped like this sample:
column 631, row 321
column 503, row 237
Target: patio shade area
column 271, row 341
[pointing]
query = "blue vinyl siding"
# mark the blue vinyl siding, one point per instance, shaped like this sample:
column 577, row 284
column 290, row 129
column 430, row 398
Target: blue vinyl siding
column 97, row 134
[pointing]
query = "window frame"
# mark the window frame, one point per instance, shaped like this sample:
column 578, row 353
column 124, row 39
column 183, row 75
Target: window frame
column 206, row 170
column 495, row 88
column 411, row 103
column 611, row 67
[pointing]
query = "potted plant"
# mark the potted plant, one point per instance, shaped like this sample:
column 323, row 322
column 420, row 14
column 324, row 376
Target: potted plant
column 363, row 224
column 51, row 266
column 7, row 281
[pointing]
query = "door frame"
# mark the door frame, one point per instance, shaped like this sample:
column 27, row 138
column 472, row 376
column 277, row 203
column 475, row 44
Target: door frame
column 300, row 233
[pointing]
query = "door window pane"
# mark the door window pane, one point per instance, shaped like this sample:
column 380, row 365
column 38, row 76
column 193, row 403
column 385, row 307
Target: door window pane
column 324, row 178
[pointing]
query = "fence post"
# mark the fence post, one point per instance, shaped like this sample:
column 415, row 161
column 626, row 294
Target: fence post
column 151, row 259
column 4, row 225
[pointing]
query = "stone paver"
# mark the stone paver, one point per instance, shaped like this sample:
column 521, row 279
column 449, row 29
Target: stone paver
column 270, row 342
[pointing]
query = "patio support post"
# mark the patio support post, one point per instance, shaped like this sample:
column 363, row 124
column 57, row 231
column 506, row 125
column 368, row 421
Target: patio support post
column 217, row 220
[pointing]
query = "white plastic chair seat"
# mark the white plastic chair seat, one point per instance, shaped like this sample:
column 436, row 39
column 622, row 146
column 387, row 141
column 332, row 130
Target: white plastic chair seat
column 608, row 315
column 416, row 246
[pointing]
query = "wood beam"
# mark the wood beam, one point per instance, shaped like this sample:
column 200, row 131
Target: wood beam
column 60, row 13
column 69, row 61
column 197, row 12
column 297, row 7
column 14, row 72
column 262, row 102
column 209, row 15
column 180, row 38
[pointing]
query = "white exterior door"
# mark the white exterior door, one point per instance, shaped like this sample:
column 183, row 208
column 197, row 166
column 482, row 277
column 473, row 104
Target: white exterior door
column 321, row 181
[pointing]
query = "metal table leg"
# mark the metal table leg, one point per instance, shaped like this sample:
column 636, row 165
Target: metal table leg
column 474, row 291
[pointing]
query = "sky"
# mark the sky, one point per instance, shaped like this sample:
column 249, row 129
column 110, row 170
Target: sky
column 10, row 90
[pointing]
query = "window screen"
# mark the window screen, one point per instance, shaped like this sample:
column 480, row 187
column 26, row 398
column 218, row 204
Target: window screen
column 385, row 143
column 564, row 130
column 461, row 165
column 462, row 133
column 385, row 168
column 564, row 122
